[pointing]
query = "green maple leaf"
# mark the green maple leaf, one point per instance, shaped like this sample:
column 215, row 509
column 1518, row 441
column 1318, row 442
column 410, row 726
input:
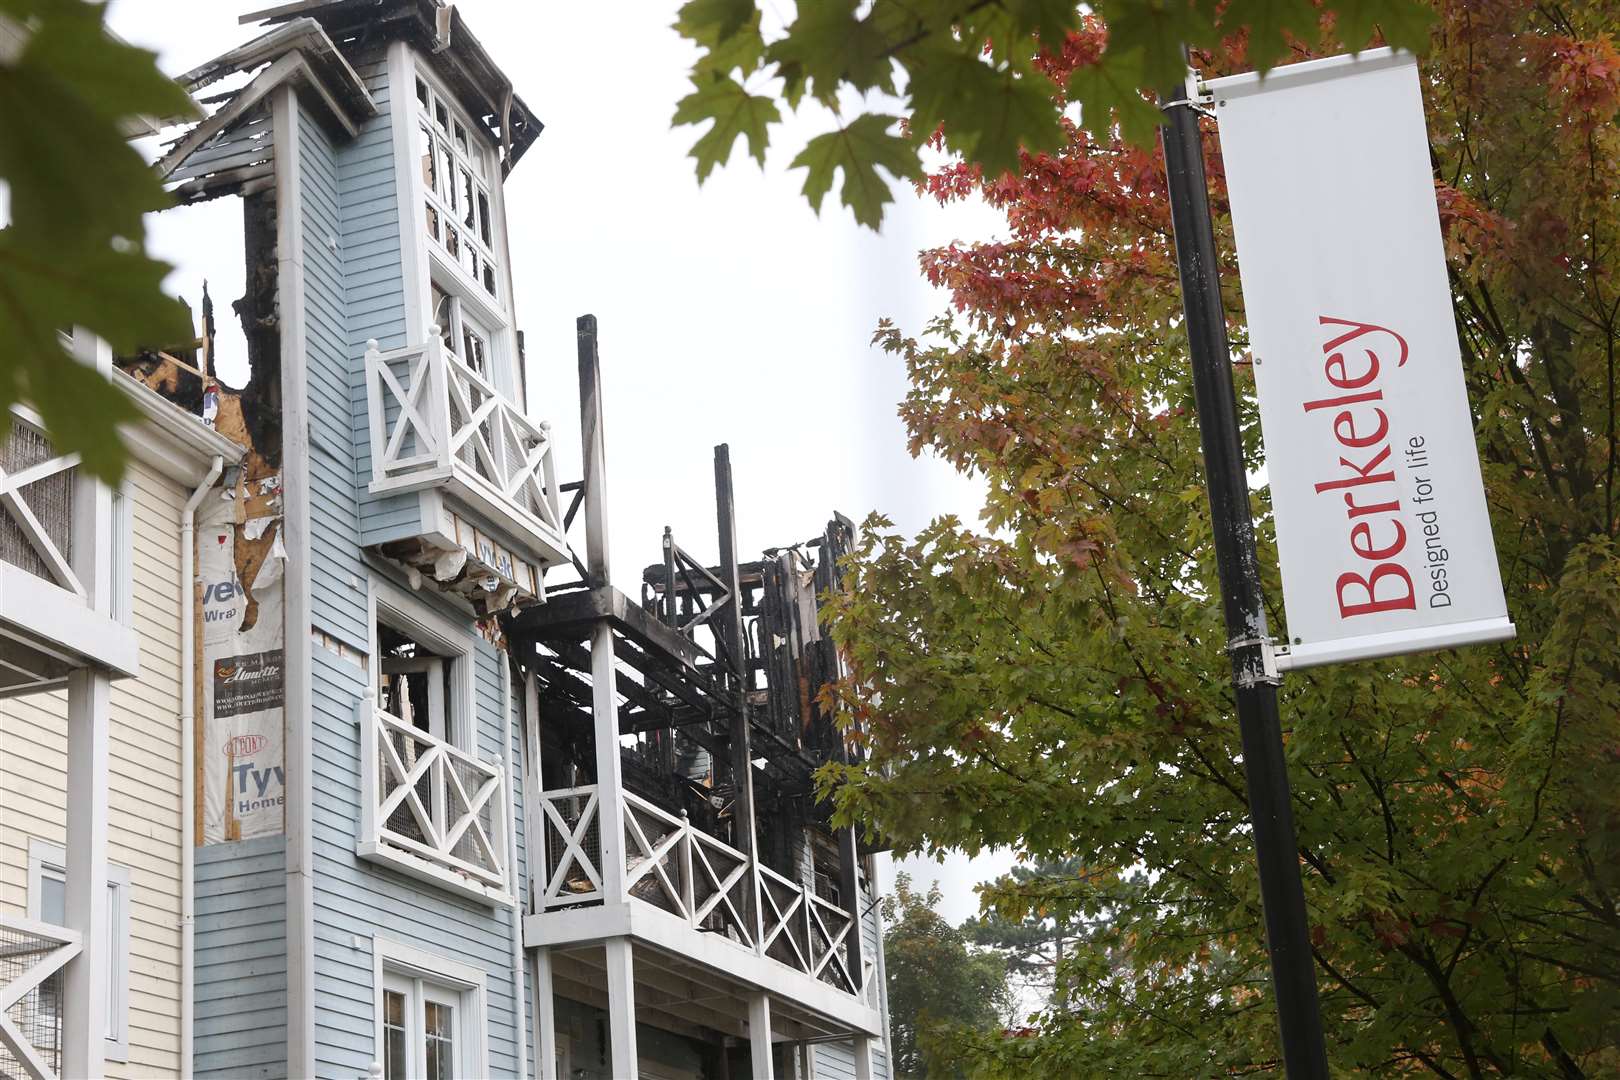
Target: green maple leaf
column 72, row 253
column 710, row 22
column 1109, row 88
column 1268, row 20
column 1049, row 20
column 1159, row 29
column 857, row 149
column 989, row 113
column 827, row 46
column 735, row 113
column 1405, row 23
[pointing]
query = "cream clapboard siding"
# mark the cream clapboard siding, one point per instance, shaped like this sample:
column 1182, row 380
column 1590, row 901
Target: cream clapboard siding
column 144, row 774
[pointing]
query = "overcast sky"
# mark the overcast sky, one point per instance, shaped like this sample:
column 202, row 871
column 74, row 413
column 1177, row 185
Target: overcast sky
column 728, row 313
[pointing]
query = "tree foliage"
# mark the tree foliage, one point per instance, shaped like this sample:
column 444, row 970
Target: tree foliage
column 973, row 69
column 1056, row 681
column 1034, row 940
column 939, row 989
column 72, row 254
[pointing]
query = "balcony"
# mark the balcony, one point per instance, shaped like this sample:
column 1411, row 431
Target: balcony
column 429, row 809
column 48, row 626
column 437, row 424
column 32, row 958
column 675, row 867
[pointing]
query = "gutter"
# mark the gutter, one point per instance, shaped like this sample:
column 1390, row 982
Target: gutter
column 188, row 752
column 520, row 999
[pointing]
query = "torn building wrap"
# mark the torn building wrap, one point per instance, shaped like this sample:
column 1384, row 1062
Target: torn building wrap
column 243, row 685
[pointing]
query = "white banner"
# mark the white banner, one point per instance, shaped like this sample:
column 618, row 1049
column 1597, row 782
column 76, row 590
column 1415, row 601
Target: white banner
column 1382, row 531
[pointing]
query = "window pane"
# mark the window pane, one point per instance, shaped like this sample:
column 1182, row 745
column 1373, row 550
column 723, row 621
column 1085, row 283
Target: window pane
column 489, row 278
column 473, row 351
column 469, row 259
column 442, row 315
column 52, row 900
column 447, row 170
column 441, row 115
column 452, row 242
column 433, row 222
column 441, row 1041
column 461, row 139
column 483, row 220
column 430, row 170
column 421, row 91
column 466, row 196
column 395, row 1067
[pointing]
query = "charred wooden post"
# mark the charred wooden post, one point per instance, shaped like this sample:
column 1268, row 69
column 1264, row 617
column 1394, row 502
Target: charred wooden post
column 730, row 633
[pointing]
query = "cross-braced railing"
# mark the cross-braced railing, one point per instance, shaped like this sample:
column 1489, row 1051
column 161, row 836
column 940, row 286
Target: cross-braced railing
column 36, row 503
column 32, row 956
column 426, row 798
column 434, row 420
column 674, row 866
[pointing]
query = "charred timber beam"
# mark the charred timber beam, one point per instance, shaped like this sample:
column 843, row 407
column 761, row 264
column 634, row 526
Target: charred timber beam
column 569, row 618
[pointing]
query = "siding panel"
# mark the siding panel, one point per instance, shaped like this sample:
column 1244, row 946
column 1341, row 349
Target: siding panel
column 241, row 976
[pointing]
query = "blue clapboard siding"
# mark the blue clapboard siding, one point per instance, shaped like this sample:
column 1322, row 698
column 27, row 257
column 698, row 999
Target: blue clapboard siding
column 355, row 291
column 836, row 1060
column 241, row 960
column 336, row 573
column 373, row 297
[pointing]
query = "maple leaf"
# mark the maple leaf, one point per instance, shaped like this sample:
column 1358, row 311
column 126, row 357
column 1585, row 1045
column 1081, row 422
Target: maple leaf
column 989, row 113
column 1270, row 20
column 735, row 112
column 827, row 46
column 72, row 253
column 857, row 149
column 1403, row 25
column 710, row 22
column 1108, row 88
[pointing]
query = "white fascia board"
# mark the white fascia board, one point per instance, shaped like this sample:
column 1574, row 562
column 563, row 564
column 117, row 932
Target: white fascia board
column 169, row 439
column 644, row 923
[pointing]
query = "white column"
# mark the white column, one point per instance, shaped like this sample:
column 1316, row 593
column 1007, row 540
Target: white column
column 545, row 1017
column 759, row 1036
column 84, row 1009
column 621, row 988
column 863, row 1058
column 609, row 779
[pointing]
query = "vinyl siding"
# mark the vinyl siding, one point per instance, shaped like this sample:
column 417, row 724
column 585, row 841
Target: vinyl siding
column 373, row 297
column 143, row 776
column 241, row 991
column 355, row 291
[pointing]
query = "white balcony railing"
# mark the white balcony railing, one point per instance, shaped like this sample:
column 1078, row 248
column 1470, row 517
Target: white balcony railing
column 32, row 956
column 674, row 866
column 430, row 809
column 437, row 423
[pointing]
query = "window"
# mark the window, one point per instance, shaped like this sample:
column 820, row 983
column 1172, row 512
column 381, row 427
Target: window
column 457, row 167
column 429, row 1015
column 47, row 891
column 415, row 683
column 465, row 335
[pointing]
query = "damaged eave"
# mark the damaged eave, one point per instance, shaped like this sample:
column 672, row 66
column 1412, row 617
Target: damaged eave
column 441, row 32
column 331, row 82
column 175, row 441
column 305, row 35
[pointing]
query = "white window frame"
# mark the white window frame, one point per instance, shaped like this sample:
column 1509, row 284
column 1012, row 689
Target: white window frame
column 396, row 963
column 479, row 164
column 123, row 554
column 425, row 261
column 47, row 860
column 487, row 321
column 410, row 614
